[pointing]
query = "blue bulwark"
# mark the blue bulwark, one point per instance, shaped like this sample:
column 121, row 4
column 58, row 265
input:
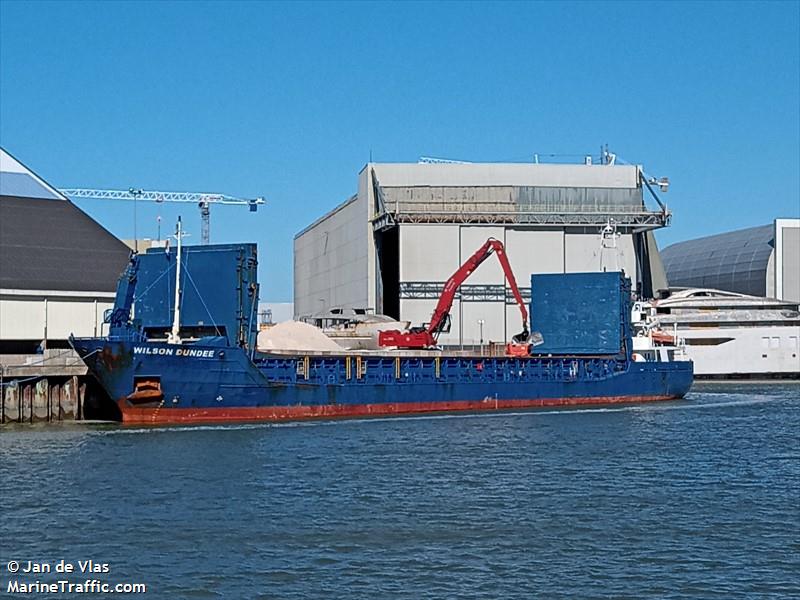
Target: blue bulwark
column 580, row 313
column 219, row 292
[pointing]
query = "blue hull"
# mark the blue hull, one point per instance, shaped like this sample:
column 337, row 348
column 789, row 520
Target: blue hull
column 155, row 382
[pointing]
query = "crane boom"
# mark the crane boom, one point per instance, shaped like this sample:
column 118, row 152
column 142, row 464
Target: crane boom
column 156, row 196
column 423, row 337
column 202, row 199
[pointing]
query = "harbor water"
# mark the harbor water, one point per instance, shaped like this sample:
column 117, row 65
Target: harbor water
column 696, row 498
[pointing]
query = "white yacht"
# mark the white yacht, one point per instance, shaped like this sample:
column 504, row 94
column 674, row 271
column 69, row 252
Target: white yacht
column 731, row 335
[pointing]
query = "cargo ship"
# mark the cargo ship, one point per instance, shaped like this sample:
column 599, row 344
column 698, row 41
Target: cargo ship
column 181, row 348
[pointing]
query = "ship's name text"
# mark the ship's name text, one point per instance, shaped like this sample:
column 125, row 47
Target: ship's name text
column 191, row 352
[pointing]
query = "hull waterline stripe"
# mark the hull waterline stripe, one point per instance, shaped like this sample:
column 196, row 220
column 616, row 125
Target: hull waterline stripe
column 174, row 416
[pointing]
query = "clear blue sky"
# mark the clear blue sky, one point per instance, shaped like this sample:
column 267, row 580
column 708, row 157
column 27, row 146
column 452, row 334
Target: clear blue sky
column 288, row 100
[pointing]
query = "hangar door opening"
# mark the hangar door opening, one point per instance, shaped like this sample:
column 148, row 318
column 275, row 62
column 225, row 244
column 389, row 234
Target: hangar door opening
column 387, row 245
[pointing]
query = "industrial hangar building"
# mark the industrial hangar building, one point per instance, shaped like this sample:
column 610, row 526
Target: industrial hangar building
column 393, row 245
column 759, row 261
column 58, row 267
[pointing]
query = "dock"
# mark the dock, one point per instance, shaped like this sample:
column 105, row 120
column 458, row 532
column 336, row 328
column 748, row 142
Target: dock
column 48, row 387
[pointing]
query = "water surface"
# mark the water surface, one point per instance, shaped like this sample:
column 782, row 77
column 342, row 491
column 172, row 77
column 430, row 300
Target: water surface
column 691, row 499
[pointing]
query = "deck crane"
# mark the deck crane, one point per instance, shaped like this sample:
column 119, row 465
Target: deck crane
column 203, row 201
column 427, row 335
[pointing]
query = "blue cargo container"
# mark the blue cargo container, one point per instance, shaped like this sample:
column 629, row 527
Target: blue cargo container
column 219, row 292
column 580, row 313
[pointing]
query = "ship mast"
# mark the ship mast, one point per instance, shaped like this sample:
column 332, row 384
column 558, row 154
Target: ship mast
column 608, row 242
column 174, row 336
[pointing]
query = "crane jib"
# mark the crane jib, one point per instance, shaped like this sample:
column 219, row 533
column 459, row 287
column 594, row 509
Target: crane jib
column 202, row 199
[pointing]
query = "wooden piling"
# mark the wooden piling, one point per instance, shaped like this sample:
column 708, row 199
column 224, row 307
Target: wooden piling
column 70, row 407
column 11, row 404
column 40, row 404
column 80, row 399
column 26, row 404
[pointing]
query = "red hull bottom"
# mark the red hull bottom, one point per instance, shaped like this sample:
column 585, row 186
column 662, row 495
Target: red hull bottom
column 178, row 416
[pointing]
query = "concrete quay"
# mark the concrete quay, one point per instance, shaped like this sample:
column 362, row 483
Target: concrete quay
column 48, row 387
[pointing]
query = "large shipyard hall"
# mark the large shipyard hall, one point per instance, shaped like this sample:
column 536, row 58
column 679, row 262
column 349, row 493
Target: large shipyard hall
column 392, row 246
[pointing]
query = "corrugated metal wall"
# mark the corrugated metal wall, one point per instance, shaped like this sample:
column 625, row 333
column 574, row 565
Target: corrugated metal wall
column 526, row 198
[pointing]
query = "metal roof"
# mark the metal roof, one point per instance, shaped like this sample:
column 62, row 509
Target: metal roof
column 49, row 244
column 54, row 245
column 735, row 261
column 18, row 180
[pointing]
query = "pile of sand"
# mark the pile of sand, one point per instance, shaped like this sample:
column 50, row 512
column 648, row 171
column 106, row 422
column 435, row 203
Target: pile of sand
column 295, row 335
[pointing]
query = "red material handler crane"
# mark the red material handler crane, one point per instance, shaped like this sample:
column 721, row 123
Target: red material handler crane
column 426, row 336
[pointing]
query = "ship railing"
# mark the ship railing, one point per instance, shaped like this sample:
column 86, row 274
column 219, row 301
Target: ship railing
column 130, row 336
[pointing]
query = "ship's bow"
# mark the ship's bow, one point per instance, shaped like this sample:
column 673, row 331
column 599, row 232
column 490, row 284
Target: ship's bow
column 109, row 361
